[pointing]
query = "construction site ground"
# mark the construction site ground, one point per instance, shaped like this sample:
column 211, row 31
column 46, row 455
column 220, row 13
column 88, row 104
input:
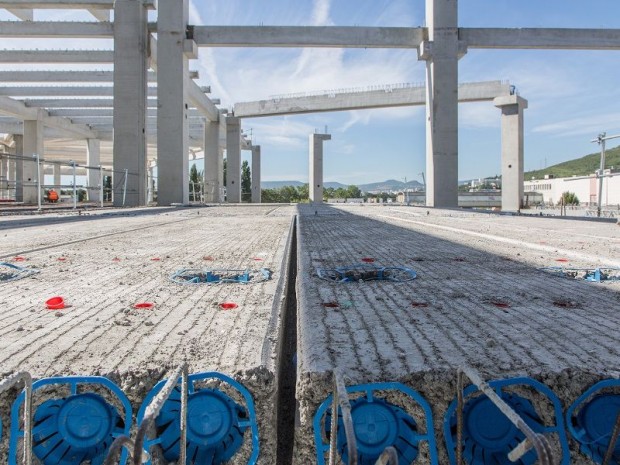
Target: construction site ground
column 480, row 300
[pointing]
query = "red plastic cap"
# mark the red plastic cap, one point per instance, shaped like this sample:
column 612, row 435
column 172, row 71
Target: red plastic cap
column 144, row 305
column 228, row 305
column 368, row 260
column 55, row 303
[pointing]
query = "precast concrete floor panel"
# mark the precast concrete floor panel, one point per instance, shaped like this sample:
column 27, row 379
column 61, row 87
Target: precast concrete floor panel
column 104, row 264
column 478, row 301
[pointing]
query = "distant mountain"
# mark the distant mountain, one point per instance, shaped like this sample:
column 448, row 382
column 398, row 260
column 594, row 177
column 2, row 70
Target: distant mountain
column 280, row 184
column 580, row 167
column 390, row 185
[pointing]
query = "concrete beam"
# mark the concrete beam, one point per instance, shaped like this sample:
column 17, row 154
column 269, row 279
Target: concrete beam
column 56, row 56
column 384, row 98
column 107, row 112
column 18, row 110
column 541, row 38
column 79, row 103
column 24, row 15
column 55, row 29
column 306, row 36
column 64, row 91
column 68, row 4
column 203, row 103
column 100, row 15
column 61, row 76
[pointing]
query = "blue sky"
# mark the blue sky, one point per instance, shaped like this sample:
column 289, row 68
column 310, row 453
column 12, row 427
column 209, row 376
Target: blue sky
column 573, row 95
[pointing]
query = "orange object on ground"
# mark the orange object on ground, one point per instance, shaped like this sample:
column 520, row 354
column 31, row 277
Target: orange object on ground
column 52, row 196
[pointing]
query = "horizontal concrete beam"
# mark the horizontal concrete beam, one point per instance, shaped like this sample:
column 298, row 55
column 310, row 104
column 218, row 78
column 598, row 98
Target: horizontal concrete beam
column 52, row 29
column 395, row 97
column 541, row 38
column 202, row 102
column 107, row 112
column 63, row 76
column 19, row 110
column 79, row 103
column 68, row 4
column 24, row 15
column 64, row 91
column 306, row 36
column 56, row 56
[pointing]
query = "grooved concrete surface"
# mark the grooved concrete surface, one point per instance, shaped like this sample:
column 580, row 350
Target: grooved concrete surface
column 101, row 333
column 418, row 333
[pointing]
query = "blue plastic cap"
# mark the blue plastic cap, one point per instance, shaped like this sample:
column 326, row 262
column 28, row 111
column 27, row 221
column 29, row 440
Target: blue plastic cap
column 377, row 425
column 597, row 419
column 214, row 433
column 69, row 431
column 488, row 426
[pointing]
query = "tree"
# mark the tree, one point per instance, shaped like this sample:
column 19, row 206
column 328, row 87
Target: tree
column 353, row 192
column 246, row 181
column 194, row 182
column 224, row 172
column 569, row 198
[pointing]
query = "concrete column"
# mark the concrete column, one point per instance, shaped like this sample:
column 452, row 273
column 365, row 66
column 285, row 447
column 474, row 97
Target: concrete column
column 233, row 159
column 315, row 181
column 56, row 173
column 93, row 151
column 256, row 192
column 151, row 184
column 4, row 168
column 512, row 107
column 12, row 173
column 173, row 105
column 130, row 88
column 441, row 53
column 212, row 162
column 27, row 169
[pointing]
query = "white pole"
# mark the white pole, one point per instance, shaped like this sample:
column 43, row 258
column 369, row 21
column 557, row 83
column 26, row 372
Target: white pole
column 600, row 176
column 38, row 180
column 125, row 188
column 74, row 186
column 101, row 185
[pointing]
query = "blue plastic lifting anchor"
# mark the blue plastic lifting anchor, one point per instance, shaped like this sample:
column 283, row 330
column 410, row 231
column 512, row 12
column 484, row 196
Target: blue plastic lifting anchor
column 591, row 420
column 216, row 424
column 74, row 429
column 201, row 276
column 489, row 436
column 378, row 424
column 366, row 272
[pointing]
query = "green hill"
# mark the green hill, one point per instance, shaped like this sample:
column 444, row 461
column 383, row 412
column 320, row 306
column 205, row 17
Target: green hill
column 579, row 167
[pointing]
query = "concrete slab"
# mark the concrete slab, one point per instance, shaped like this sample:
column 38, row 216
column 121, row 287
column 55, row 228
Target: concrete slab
column 465, row 262
column 101, row 334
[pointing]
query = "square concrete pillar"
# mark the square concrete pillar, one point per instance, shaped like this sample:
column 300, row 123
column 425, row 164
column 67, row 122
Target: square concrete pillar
column 173, row 103
column 12, row 173
column 56, row 174
column 4, row 176
column 93, row 151
column 512, row 107
column 27, row 167
column 213, row 164
column 315, row 172
column 130, row 89
column 233, row 159
column 441, row 53
column 256, row 192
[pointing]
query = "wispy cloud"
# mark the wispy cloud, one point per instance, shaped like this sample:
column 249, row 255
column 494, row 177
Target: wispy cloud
column 583, row 125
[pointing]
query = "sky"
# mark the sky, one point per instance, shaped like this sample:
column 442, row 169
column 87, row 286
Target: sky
column 572, row 95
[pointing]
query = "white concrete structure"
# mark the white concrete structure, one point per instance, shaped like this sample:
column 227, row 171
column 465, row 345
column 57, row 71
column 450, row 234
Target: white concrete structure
column 233, row 159
column 315, row 163
column 512, row 107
